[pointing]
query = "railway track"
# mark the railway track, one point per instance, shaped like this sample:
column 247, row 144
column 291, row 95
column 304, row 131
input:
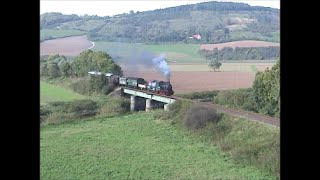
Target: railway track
column 244, row 114
column 233, row 112
column 239, row 113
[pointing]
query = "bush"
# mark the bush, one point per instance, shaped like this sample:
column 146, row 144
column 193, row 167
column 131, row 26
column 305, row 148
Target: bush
column 198, row 117
column 64, row 111
column 207, row 95
column 82, row 86
column 82, row 106
column 53, row 70
column 240, row 98
column 44, row 69
column 106, row 89
column 114, row 106
column 44, row 110
column 57, row 117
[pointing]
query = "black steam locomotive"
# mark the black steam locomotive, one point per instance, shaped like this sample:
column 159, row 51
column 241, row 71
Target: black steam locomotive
column 159, row 87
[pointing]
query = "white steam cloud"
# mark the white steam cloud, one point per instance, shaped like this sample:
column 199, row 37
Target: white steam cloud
column 162, row 66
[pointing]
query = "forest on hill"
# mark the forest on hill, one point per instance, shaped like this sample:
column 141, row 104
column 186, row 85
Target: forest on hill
column 215, row 22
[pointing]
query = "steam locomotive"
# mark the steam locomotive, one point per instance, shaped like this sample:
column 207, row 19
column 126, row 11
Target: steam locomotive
column 158, row 87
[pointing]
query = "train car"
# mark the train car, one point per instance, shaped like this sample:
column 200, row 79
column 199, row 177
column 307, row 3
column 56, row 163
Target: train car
column 112, row 79
column 142, row 86
column 123, row 81
column 134, row 81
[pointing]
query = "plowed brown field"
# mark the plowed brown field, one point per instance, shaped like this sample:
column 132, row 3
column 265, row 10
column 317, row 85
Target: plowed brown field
column 186, row 82
column 69, row 46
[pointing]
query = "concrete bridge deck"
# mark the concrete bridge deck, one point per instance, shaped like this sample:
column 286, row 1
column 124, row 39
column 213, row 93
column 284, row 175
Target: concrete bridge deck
column 149, row 96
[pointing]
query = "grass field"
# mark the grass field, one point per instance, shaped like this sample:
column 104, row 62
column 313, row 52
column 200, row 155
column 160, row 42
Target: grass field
column 46, row 34
column 175, row 53
column 49, row 92
column 246, row 35
column 133, row 147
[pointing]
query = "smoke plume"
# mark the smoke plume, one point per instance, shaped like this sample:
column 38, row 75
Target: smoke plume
column 162, row 66
column 135, row 58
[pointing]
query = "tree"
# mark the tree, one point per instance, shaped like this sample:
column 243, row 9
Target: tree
column 65, row 69
column 266, row 87
column 215, row 64
column 53, row 70
column 44, row 69
column 94, row 61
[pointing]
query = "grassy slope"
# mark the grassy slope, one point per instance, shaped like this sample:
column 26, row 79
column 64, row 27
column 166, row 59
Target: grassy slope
column 56, row 33
column 49, row 92
column 132, row 147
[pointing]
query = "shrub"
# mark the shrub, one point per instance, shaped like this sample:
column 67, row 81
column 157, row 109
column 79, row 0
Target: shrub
column 106, row 89
column 44, row 69
column 82, row 106
column 53, row 70
column 57, row 117
column 114, row 106
column 198, row 116
column 82, row 86
column 208, row 95
column 64, row 111
column 240, row 98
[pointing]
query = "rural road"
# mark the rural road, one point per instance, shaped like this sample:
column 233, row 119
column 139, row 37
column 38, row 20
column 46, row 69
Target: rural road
column 92, row 45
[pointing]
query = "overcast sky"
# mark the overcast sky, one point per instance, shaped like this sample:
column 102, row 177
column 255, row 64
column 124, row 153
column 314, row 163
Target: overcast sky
column 110, row 7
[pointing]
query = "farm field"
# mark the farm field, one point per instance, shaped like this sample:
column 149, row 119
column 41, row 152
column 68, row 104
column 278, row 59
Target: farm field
column 58, row 33
column 190, row 71
column 175, row 53
column 238, row 44
column 49, row 92
column 69, row 46
column 186, row 82
column 123, row 52
column 133, row 147
column 235, row 67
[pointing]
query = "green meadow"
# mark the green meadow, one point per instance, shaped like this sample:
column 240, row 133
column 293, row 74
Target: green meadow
column 50, row 92
column 133, row 146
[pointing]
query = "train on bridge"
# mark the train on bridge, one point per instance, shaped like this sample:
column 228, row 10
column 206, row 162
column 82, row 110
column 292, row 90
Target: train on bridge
column 155, row 86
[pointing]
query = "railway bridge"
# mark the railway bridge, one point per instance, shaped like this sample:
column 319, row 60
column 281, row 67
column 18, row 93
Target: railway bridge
column 150, row 97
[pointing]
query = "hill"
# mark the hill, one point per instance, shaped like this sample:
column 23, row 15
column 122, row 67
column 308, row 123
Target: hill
column 216, row 22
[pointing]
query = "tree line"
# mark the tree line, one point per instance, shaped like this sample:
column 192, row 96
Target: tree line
column 57, row 65
column 242, row 53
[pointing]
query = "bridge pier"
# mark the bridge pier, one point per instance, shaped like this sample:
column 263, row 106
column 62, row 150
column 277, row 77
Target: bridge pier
column 148, row 105
column 132, row 103
column 166, row 107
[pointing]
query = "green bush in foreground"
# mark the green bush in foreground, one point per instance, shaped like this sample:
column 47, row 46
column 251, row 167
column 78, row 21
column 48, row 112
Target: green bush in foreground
column 59, row 111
